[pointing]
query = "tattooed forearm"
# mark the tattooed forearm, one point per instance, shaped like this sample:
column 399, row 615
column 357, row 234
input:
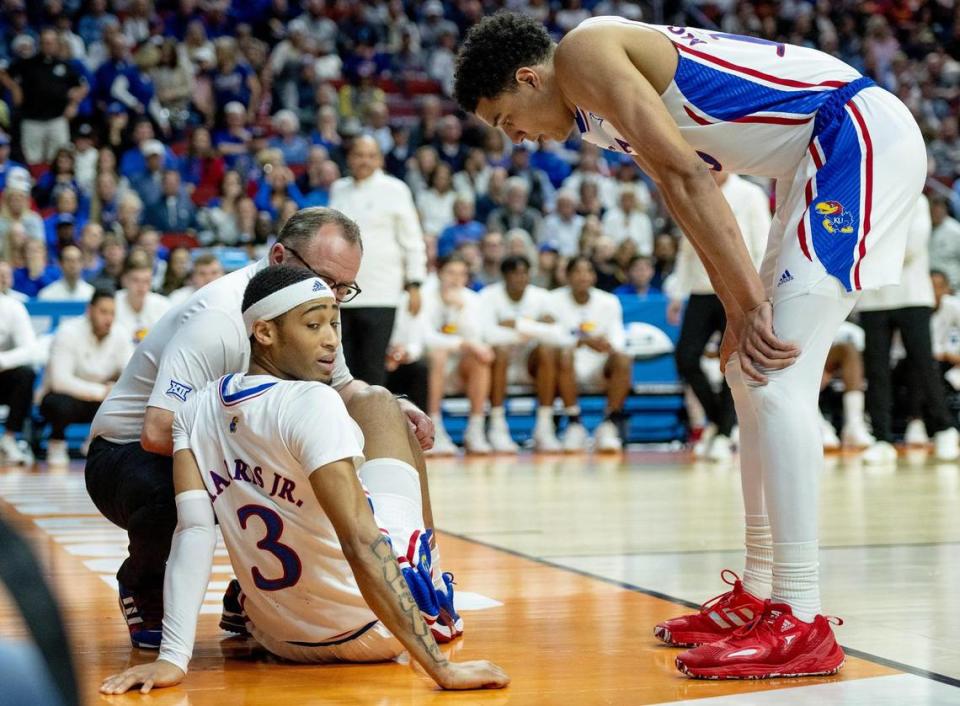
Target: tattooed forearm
column 398, row 584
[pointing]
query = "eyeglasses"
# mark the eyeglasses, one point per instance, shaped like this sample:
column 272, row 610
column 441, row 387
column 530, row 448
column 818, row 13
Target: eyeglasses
column 345, row 291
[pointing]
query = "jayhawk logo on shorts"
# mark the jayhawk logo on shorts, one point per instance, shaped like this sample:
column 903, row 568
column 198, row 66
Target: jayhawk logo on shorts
column 836, row 219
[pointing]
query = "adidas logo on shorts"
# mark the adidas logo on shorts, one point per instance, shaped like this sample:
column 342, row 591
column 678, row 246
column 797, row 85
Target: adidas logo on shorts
column 784, row 278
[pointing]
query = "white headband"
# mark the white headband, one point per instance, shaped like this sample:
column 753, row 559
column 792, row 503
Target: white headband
column 283, row 300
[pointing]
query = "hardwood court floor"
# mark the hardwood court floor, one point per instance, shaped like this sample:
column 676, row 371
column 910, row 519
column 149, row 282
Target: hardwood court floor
column 567, row 563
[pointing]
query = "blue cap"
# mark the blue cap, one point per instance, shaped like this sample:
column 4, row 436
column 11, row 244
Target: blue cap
column 116, row 107
column 549, row 246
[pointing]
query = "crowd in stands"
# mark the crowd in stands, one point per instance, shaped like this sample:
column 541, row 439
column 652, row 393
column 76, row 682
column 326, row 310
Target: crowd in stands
column 147, row 145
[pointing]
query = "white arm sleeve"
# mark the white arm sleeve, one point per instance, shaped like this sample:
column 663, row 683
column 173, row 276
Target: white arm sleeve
column 187, row 576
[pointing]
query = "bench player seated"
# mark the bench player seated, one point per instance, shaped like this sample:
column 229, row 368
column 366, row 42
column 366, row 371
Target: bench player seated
column 459, row 360
column 515, row 323
column 594, row 361
column 274, row 458
column 845, row 360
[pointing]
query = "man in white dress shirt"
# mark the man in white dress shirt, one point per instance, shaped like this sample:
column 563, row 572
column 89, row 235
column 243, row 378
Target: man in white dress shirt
column 71, row 286
column 629, row 220
column 394, row 258
column 86, row 359
column 17, row 354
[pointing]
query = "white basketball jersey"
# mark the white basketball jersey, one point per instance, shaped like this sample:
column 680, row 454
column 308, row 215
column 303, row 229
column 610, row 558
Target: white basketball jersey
column 747, row 105
column 256, row 440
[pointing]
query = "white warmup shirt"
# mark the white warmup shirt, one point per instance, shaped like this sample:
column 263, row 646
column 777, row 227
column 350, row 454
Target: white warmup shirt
column 409, row 331
column 915, row 288
column 17, row 340
column 447, row 326
column 602, row 315
column 945, row 327
column 751, row 208
column 495, row 305
column 80, row 365
column 61, row 291
column 140, row 322
column 195, row 343
column 635, row 225
column 393, row 248
column 257, row 440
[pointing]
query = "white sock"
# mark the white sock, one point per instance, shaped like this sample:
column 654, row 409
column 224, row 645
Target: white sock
column 394, row 488
column 475, row 421
column 498, row 414
column 796, row 578
column 544, row 417
column 758, row 565
column 572, row 411
column 853, row 408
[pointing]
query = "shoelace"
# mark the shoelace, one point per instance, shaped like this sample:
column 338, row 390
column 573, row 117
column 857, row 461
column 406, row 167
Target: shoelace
column 707, row 606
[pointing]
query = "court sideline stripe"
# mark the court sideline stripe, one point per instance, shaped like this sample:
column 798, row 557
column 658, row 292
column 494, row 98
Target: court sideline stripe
column 876, row 659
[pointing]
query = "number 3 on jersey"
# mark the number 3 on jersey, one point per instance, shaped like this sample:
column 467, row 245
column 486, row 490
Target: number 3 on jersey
column 292, row 568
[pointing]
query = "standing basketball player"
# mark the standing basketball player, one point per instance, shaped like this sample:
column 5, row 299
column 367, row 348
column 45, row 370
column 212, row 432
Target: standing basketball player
column 849, row 162
column 316, row 573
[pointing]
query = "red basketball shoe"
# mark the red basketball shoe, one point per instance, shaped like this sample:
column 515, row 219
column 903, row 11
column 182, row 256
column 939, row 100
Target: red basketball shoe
column 717, row 618
column 775, row 644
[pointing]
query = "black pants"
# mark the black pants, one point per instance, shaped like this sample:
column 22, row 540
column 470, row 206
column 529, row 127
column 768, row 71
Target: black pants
column 366, row 335
column 914, row 325
column 410, row 380
column 16, row 391
column 134, row 490
column 60, row 410
column 703, row 317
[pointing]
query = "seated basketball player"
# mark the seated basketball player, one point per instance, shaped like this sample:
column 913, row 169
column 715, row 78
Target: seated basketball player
column 514, row 314
column 273, row 457
column 595, row 361
column 845, row 361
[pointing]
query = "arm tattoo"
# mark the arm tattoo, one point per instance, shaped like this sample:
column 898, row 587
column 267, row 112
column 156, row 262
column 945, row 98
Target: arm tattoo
column 391, row 573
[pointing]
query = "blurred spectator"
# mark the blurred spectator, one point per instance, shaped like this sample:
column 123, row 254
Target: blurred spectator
column 591, row 169
column 87, row 356
column 173, row 212
column 450, row 149
column 944, row 151
column 6, row 164
column 218, row 223
column 327, row 133
column 105, row 205
column 129, row 214
column 66, row 212
column 548, row 256
column 37, row 272
column 945, row 240
column 516, row 213
column 458, row 357
column 15, row 207
column 845, row 361
column 91, row 240
column 17, row 353
column 394, row 257
column 70, row 287
column 464, row 226
column 664, row 258
column 173, row 82
column 602, row 256
column 541, row 194
column 201, row 168
column 148, row 183
column 286, row 64
column 907, row 308
column 427, row 130
column 515, row 314
column 492, row 252
column 47, row 91
column 435, row 204
column 94, row 20
column 114, row 255
column 206, row 268
column 6, row 283
column 176, row 272
column 292, row 145
column 640, row 275
column 138, row 308
column 627, row 220
column 495, row 196
column 233, row 79
column 400, row 152
column 570, row 14
column 320, row 28
column 315, row 183
column 475, row 175
column 277, row 188
column 433, row 24
column 945, row 327
column 595, row 360
column 378, row 126
column 233, row 140
column 563, row 226
column 85, row 158
column 590, row 203
column 420, row 170
column 442, row 62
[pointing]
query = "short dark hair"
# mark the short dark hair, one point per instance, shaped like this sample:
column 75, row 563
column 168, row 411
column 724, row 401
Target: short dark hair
column 576, row 260
column 102, row 293
column 940, row 273
column 207, row 258
column 304, row 224
column 452, row 259
column 492, row 52
column 511, row 263
column 637, row 258
column 272, row 279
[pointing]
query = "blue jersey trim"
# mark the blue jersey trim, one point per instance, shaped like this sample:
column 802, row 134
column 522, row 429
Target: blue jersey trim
column 237, row 397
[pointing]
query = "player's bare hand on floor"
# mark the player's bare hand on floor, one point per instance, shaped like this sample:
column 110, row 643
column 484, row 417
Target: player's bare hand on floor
column 759, row 346
column 154, row 674
column 479, row 674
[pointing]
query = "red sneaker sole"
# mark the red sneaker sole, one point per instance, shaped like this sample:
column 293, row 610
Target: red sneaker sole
column 685, row 639
column 760, row 671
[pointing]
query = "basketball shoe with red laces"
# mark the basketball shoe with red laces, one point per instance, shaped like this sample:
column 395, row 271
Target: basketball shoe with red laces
column 718, row 617
column 775, row 644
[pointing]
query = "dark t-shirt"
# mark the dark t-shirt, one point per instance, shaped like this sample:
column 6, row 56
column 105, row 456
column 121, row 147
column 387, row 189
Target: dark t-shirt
column 45, row 83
